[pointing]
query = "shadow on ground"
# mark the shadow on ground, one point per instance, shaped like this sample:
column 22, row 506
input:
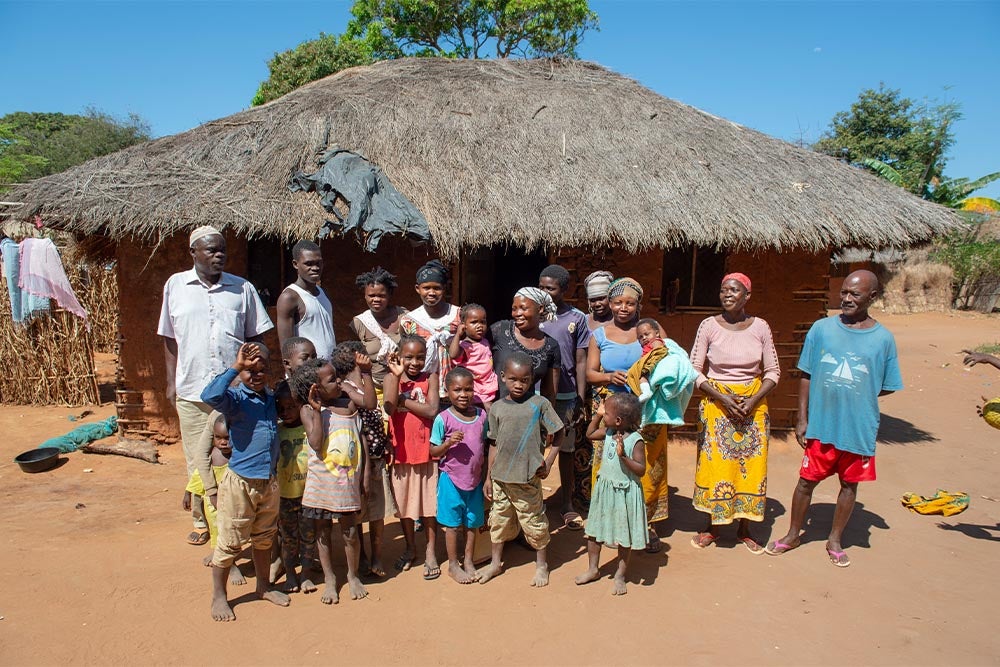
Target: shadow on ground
column 896, row 431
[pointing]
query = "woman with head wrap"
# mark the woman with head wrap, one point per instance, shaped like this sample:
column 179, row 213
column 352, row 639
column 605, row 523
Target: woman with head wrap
column 436, row 320
column 597, row 285
column 737, row 367
column 531, row 306
column 614, row 347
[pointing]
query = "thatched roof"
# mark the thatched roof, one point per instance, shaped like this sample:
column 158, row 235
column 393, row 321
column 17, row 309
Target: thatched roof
column 493, row 152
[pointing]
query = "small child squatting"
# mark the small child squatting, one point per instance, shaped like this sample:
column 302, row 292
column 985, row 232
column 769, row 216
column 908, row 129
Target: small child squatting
column 617, row 510
column 515, row 472
column 249, row 489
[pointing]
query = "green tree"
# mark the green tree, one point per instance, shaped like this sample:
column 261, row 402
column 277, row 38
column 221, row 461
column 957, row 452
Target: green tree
column 38, row 144
column 310, row 61
column 386, row 29
column 884, row 128
column 476, row 28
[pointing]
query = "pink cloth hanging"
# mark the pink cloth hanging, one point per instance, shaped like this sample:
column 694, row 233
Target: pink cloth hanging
column 42, row 274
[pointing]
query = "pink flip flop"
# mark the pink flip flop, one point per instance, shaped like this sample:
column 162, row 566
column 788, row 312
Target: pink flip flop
column 839, row 558
column 778, row 548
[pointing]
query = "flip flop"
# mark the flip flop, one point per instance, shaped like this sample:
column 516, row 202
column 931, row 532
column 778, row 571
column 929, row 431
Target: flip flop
column 197, row 538
column 654, row 546
column 839, row 558
column 573, row 521
column 778, row 548
column 403, row 563
column 431, row 573
column 703, row 540
column 751, row 545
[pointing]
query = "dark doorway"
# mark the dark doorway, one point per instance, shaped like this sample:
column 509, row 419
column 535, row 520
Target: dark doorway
column 490, row 276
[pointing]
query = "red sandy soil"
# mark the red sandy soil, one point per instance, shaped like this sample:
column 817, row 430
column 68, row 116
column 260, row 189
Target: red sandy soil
column 95, row 568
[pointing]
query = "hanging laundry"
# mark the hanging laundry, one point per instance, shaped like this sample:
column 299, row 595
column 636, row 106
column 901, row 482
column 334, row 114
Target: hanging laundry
column 42, row 275
column 23, row 305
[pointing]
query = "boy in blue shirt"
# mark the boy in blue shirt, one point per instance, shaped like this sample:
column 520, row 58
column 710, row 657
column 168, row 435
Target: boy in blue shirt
column 847, row 362
column 247, row 501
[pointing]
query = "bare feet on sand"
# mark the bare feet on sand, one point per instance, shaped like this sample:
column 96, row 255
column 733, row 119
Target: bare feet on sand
column 456, row 572
column 488, row 573
column 587, row 577
column 236, row 577
column 358, row 590
column 221, row 611
column 275, row 597
column 541, row 578
column 308, row 586
column 330, row 595
column 619, row 586
column 292, row 584
column 470, row 570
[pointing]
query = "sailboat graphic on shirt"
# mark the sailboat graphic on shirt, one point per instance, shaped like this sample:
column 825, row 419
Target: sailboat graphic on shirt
column 848, row 371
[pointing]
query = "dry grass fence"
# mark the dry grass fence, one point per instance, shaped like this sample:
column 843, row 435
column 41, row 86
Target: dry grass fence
column 50, row 361
column 917, row 288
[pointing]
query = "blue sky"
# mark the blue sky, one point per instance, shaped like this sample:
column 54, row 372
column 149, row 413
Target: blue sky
column 783, row 68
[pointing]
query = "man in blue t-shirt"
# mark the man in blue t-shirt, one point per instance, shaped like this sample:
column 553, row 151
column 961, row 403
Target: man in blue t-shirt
column 847, row 362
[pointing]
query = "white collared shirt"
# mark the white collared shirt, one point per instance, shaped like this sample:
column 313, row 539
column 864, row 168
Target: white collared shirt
column 209, row 323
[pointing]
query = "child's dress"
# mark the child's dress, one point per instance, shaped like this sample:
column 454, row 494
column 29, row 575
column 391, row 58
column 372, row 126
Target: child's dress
column 617, row 508
column 478, row 359
column 333, row 485
column 414, row 474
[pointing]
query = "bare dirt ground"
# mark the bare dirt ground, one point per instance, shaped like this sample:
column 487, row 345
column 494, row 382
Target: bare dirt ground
column 95, row 569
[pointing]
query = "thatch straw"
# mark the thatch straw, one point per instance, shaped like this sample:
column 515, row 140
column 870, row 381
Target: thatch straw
column 917, row 288
column 526, row 153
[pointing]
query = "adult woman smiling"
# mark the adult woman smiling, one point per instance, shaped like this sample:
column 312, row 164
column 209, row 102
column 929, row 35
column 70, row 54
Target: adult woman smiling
column 530, row 307
column 614, row 347
column 737, row 368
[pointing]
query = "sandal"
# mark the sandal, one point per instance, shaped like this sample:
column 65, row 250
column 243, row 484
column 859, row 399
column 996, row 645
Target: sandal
column 703, row 540
column 654, row 546
column 197, row 537
column 839, row 558
column 431, row 573
column 573, row 521
column 777, row 548
column 751, row 545
column 404, row 562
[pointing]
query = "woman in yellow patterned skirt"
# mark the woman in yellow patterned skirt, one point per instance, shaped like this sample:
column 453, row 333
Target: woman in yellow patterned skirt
column 737, row 364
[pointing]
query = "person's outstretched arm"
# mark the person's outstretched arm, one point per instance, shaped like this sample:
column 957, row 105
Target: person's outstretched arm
column 973, row 358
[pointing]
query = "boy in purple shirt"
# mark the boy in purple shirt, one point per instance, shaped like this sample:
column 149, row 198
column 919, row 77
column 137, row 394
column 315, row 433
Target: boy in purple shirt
column 570, row 330
column 458, row 439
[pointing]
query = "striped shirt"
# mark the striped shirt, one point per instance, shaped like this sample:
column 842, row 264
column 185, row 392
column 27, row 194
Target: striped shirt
column 734, row 356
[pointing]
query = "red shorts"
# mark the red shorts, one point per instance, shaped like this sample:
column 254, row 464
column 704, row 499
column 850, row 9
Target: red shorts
column 822, row 460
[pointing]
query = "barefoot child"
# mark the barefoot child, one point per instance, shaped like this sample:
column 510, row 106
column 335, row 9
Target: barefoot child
column 617, row 508
column 219, row 458
column 411, row 401
column 294, row 351
column 458, row 440
column 470, row 349
column 248, row 493
column 335, row 484
column 521, row 426
column 354, row 366
column 298, row 533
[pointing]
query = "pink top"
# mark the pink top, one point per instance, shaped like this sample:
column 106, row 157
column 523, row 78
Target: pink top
column 478, row 358
column 734, row 356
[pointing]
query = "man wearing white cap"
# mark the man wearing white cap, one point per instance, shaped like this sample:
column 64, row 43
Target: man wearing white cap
column 206, row 316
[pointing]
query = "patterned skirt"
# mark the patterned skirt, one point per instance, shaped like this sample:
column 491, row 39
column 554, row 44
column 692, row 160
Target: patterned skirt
column 730, row 480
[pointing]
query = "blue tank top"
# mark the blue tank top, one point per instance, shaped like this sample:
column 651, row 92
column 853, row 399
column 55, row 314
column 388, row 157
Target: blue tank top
column 616, row 356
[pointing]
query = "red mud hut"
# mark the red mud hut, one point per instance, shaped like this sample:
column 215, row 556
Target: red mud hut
column 506, row 166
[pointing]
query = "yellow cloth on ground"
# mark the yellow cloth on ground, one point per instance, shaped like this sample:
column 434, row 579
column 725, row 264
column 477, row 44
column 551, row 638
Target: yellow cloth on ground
column 644, row 367
column 730, row 479
column 196, row 487
column 946, row 503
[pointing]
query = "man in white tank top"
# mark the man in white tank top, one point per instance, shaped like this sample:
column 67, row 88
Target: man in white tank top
column 303, row 307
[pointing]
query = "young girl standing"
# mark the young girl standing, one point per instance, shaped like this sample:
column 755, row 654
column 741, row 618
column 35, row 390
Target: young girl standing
column 617, row 509
column 411, row 400
column 470, row 349
column 335, row 483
